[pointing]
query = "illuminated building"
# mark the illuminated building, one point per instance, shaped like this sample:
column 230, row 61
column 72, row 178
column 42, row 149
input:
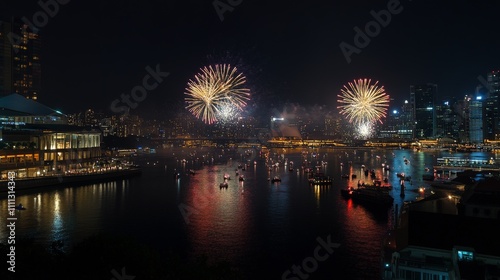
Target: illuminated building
column 491, row 107
column 422, row 99
column 37, row 141
column 20, row 50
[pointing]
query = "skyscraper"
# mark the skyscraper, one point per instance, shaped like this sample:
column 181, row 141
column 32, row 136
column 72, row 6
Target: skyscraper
column 5, row 59
column 423, row 100
column 491, row 120
column 476, row 120
column 20, row 50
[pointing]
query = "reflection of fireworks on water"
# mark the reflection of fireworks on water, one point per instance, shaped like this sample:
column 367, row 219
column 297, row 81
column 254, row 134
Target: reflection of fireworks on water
column 365, row 130
column 363, row 102
column 212, row 89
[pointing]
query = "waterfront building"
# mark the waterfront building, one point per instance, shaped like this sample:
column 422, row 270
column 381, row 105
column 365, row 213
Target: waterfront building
column 20, row 50
column 444, row 237
column 423, row 100
column 36, row 140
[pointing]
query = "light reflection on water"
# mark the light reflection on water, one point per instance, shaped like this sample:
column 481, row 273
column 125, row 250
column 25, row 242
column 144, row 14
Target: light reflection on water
column 255, row 224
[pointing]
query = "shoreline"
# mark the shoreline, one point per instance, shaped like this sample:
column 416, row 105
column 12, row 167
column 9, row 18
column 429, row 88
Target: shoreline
column 63, row 180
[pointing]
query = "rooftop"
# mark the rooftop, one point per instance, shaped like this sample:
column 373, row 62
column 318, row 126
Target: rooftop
column 16, row 105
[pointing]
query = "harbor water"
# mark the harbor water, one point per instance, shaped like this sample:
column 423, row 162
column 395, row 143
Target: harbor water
column 261, row 228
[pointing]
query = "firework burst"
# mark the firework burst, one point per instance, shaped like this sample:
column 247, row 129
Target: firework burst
column 363, row 102
column 365, row 130
column 227, row 112
column 216, row 93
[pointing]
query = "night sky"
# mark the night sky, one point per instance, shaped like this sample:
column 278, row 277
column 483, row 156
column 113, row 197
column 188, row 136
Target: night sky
column 93, row 51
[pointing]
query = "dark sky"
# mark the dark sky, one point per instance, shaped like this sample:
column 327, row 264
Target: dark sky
column 93, row 51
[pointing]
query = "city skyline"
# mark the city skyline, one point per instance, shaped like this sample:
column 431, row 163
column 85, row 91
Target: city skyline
column 288, row 53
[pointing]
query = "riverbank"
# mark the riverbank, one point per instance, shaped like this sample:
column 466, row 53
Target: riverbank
column 60, row 180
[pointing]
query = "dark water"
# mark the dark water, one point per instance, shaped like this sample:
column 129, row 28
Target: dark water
column 259, row 227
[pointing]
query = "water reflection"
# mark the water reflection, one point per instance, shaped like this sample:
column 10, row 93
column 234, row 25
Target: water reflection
column 221, row 214
column 244, row 223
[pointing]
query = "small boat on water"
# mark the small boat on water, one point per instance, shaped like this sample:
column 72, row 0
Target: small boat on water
column 241, row 178
column 20, row 207
column 276, row 179
column 320, row 179
column 227, row 177
column 223, row 185
column 347, row 193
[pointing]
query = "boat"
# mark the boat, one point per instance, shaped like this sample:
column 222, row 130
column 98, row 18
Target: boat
column 369, row 195
column 347, row 193
column 276, row 179
column 241, row 178
column 20, row 207
column 375, row 184
column 227, row 177
column 320, row 179
column 223, row 185
column 191, row 171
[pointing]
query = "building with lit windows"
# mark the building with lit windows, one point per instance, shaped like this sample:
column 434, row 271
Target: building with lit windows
column 423, row 100
column 16, row 109
column 492, row 107
column 476, row 120
column 20, row 50
column 36, row 140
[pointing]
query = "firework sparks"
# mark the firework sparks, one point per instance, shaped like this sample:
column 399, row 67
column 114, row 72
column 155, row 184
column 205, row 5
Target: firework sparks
column 216, row 93
column 227, row 112
column 365, row 130
column 363, row 102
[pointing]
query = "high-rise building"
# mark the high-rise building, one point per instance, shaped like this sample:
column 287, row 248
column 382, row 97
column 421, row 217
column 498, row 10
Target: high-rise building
column 476, row 120
column 5, row 59
column 406, row 130
column 423, row 100
column 20, row 50
column 446, row 120
column 491, row 120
